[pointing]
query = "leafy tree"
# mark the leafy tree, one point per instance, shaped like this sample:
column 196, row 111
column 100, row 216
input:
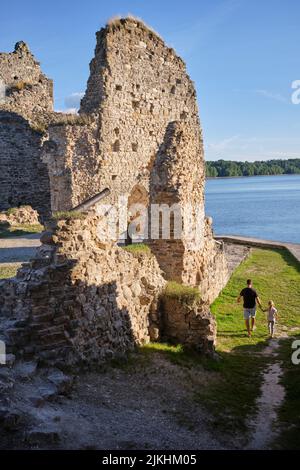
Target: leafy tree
column 221, row 168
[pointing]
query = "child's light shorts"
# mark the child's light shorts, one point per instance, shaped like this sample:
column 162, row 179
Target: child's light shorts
column 249, row 313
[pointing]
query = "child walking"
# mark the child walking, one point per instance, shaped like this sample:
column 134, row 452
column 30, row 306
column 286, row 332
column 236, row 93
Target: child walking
column 272, row 317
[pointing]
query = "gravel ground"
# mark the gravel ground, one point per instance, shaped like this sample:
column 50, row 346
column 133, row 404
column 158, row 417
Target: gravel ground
column 147, row 405
column 150, row 408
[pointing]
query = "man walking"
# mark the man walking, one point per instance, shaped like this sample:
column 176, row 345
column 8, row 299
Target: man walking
column 250, row 299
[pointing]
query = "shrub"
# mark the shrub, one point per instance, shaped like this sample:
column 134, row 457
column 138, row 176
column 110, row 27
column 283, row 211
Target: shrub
column 117, row 20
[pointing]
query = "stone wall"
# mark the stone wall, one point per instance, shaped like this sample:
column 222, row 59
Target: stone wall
column 189, row 323
column 136, row 87
column 138, row 133
column 29, row 92
column 138, row 127
column 24, row 114
column 23, row 176
column 191, row 255
column 80, row 300
column 71, row 158
column 83, row 301
column 20, row 216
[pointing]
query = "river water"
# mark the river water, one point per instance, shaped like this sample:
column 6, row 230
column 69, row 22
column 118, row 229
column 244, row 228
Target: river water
column 260, row 206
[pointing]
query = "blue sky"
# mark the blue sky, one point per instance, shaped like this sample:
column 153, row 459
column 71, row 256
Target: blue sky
column 242, row 54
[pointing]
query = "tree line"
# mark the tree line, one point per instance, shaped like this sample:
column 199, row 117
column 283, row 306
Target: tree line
column 223, row 168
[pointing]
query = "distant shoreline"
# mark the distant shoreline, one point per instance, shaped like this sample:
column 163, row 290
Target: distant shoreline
column 232, row 168
column 246, row 176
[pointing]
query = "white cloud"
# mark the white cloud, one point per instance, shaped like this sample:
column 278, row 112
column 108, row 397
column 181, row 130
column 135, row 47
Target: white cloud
column 222, row 144
column 67, row 111
column 271, row 95
column 253, row 148
column 73, row 101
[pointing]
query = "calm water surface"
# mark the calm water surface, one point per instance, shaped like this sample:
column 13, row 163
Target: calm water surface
column 261, row 206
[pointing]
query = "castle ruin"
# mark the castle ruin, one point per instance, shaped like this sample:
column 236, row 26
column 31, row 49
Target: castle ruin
column 138, row 134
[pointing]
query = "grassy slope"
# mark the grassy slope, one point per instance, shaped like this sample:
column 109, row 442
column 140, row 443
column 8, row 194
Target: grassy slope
column 19, row 230
column 232, row 393
column 276, row 276
column 289, row 412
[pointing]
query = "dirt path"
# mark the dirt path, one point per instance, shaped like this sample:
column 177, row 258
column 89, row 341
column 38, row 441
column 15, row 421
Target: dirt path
column 269, row 401
column 293, row 248
column 272, row 396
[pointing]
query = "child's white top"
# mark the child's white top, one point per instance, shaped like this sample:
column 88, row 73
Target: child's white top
column 272, row 313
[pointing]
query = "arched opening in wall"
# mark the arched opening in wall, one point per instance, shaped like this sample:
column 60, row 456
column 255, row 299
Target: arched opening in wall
column 137, row 213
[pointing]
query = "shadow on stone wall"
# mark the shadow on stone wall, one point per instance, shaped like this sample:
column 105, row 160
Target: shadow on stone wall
column 24, row 178
column 55, row 311
column 85, row 326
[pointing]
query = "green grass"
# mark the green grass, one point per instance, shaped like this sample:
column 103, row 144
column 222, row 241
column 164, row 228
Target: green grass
column 177, row 354
column 275, row 275
column 19, row 230
column 230, row 396
column 137, row 248
column 183, row 293
column 289, row 412
column 9, row 270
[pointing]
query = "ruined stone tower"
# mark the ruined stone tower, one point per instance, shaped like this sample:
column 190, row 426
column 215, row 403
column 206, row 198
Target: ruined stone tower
column 137, row 86
column 24, row 113
column 138, row 134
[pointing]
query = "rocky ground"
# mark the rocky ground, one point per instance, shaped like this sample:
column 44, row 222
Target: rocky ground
column 144, row 402
column 147, row 404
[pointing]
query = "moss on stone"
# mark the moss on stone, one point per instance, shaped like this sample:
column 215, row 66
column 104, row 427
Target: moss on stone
column 137, row 248
column 61, row 119
column 67, row 215
column 181, row 292
column 11, row 211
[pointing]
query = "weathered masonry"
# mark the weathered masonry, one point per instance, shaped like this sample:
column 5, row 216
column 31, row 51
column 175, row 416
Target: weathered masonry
column 27, row 106
column 138, row 134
